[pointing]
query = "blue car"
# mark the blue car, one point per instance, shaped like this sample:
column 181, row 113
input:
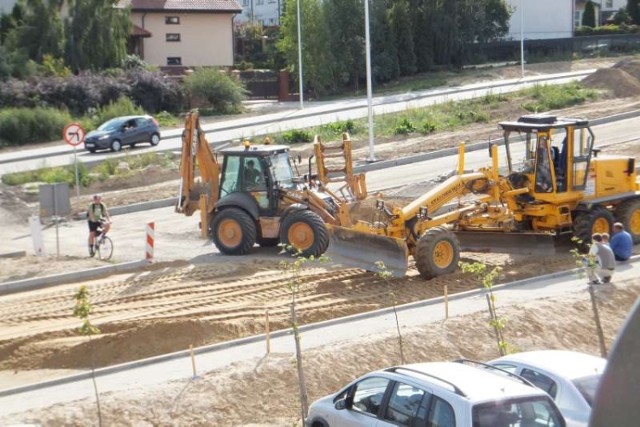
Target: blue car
column 121, row 131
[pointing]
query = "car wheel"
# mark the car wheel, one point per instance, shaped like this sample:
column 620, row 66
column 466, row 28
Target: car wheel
column 92, row 150
column 116, row 145
column 155, row 139
column 133, row 145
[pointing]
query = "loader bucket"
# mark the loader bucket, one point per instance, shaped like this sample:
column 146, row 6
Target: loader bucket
column 509, row 243
column 363, row 250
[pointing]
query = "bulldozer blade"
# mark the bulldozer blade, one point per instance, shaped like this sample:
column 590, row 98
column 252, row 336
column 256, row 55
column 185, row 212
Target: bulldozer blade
column 363, row 250
column 510, row 243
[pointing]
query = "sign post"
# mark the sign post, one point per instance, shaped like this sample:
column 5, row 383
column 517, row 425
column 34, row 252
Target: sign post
column 73, row 135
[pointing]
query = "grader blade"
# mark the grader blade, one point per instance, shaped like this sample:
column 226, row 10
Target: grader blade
column 363, row 250
column 510, row 243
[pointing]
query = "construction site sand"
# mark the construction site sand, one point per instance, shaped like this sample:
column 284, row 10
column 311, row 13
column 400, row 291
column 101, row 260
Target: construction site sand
column 264, row 392
column 616, row 80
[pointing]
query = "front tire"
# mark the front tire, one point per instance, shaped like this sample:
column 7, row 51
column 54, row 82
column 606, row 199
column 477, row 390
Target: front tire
column 116, row 145
column 105, row 249
column 437, row 253
column 233, row 231
column 628, row 213
column 587, row 223
column 155, row 139
column 304, row 231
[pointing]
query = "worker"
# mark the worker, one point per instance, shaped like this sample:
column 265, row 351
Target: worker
column 601, row 262
column 251, row 174
column 621, row 242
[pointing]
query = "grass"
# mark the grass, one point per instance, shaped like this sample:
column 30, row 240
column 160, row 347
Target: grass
column 100, row 172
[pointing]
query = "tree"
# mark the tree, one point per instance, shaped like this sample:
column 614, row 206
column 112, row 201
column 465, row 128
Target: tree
column 633, row 8
column 223, row 92
column 40, row 33
column 621, row 17
column 402, row 33
column 345, row 24
column 589, row 15
column 317, row 58
column 9, row 22
column 493, row 20
column 384, row 55
column 96, row 34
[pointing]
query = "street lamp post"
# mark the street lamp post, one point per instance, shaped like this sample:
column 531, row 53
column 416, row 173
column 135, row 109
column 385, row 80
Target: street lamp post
column 300, row 56
column 372, row 156
column 522, row 38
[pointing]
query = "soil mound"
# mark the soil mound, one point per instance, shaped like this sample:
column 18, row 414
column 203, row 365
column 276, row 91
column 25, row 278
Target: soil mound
column 617, row 80
column 630, row 66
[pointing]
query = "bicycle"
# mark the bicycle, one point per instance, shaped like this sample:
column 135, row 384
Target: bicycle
column 103, row 245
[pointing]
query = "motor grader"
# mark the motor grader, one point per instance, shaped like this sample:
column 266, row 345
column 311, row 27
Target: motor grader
column 559, row 185
column 254, row 196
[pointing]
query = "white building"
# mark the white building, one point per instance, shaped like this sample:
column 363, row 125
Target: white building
column 264, row 12
column 541, row 19
column 6, row 6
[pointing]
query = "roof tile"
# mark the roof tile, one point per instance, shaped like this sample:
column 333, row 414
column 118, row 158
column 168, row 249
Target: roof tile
column 183, row 5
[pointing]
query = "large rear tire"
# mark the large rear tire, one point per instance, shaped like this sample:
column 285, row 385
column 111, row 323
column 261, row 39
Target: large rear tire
column 437, row 253
column 304, row 231
column 628, row 213
column 587, row 223
column 233, row 231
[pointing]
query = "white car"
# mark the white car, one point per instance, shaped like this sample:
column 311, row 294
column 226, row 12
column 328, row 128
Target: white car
column 438, row 394
column 571, row 378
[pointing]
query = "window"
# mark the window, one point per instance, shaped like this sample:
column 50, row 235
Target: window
column 174, row 60
column 540, row 380
column 403, row 405
column 229, row 182
column 609, row 4
column 282, row 171
column 441, row 414
column 523, row 412
column 259, row 2
column 582, row 144
column 543, row 167
column 505, row 367
column 245, row 2
column 173, row 37
column 172, row 20
column 368, row 394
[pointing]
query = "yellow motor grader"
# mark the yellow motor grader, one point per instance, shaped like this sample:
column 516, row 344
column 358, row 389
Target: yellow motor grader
column 254, row 196
column 560, row 185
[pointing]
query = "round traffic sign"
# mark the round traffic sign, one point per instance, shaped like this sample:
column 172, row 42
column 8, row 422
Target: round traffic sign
column 73, row 134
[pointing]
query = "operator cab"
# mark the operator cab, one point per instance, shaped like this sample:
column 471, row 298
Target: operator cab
column 555, row 153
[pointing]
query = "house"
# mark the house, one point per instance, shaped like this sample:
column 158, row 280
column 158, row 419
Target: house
column 608, row 8
column 541, row 19
column 6, row 6
column 183, row 33
column 264, row 12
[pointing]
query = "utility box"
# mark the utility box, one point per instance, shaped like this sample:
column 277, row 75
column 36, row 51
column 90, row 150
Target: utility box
column 54, row 200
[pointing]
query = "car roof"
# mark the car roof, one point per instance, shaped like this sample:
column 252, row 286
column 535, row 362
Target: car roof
column 477, row 385
column 255, row 149
column 564, row 363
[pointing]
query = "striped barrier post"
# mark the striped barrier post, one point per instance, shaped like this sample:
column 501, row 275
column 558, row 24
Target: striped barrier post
column 150, row 237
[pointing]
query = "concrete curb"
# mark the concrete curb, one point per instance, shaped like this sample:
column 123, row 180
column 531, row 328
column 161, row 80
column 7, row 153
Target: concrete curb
column 257, row 338
column 7, row 288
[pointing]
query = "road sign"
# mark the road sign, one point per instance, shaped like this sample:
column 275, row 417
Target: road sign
column 73, row 134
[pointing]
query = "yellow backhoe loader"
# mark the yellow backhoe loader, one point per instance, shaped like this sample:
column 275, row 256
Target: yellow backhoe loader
column 254, row 196
column 560, row 186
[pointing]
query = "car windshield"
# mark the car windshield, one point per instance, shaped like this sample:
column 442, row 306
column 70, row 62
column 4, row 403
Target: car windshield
column 587, row 387
column 113, row 124
column 521, row 412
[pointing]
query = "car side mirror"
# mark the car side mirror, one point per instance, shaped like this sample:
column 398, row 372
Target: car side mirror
column 341, row 404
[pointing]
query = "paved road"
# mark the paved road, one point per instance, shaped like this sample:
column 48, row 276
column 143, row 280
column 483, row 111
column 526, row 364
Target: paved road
column 369, row 325
column 177, row 236
column 313, row 115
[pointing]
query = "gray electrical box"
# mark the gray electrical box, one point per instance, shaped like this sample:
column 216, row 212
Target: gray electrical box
column 54, row 200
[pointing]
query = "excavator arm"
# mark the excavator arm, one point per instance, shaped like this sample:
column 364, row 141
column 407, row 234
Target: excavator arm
column 196, row 154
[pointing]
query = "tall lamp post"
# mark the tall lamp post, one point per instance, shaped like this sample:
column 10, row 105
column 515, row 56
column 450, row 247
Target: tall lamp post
column 372, row 156
column 300, row 56
column 522, row 38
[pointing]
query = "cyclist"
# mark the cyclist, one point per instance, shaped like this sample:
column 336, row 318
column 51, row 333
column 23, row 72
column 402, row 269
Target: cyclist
column 98, row 217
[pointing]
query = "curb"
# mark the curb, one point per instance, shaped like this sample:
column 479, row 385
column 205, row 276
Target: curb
column 283, row 332
column 7, row 288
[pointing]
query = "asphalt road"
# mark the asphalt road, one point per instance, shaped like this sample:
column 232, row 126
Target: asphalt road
column 314, row 114
column 178, row 237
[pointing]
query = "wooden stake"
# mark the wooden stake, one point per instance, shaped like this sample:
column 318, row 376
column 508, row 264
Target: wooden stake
column 596, row 318
column 266, row 331
column 193, row 360
column 446, row 302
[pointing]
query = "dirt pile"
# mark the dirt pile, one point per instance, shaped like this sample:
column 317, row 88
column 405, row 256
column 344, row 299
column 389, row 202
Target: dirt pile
column 616, row 80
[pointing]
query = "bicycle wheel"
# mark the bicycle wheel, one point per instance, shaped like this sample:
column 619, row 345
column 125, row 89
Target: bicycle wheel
column 105, row 248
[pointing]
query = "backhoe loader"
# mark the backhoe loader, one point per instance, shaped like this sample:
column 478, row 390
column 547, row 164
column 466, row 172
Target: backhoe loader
column 254, row 196
column 561, row 186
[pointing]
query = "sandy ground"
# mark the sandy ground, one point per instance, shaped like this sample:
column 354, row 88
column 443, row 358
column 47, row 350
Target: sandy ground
column 246, row 394
column 38, row 337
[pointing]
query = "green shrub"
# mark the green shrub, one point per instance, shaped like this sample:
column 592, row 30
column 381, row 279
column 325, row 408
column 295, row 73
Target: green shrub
column 427, row 127
column 166, row 119
column 296, row 136
column 19, row 126
column 337, row 128
column 552, row 97
column 223, row 92
column 404, row 127
column 122, row 107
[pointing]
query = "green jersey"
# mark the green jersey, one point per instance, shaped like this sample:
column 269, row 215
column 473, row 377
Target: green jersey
column 98, row 210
